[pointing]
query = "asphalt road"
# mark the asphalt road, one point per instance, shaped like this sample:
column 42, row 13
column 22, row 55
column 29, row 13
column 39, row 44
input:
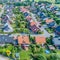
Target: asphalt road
column 3, row 58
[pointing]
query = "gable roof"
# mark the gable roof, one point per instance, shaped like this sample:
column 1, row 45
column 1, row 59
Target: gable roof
column 32, row 23
column 6, row 39
column 34, row 28
column 28, row 18
column 23, row 39
column 40, row 40
column 49, row 21
column 56, row 41
column 23, row 9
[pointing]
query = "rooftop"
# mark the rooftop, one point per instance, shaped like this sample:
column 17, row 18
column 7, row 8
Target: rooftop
column 40, row 40
column 32, row 23
column 49, row 21
column 56, row 41
column 58, row 29
column 23, row 39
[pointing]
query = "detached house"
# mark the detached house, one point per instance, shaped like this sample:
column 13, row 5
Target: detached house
column 40, row 40
column 23, row 9
column 4, row 19
column 57, row 30
column 29, row 18
column 24, row 41
column 33, row 26
column 50, row 22
column 56, row 42
column 5, row 39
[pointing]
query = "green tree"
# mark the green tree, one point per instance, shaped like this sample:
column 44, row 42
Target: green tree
column 54, row 57
column 39, row 57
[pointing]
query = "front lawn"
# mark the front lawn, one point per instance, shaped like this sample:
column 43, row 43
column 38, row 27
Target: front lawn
column 25, row 55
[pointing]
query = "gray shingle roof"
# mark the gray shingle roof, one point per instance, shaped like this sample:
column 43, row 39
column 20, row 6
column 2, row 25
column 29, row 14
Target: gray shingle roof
column 56, row 41
column 6, row 39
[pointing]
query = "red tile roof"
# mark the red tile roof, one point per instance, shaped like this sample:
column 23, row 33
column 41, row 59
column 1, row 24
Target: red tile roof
column 32, row 23
column 23, row 9
column 40, row 40
column 49, row 21
column 23, row 40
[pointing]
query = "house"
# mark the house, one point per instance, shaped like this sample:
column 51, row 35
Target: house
column 42, row 15
column 33, row 26
column 7, row 28
column 57, row 30
column 56, row 42
column 53, row 8
column 58, row 13
column 40, row 40
column 26, row 14
column 23, row 9
column 50, row 22
column 36, row 10
column 5, row 39
column 4, row 19
column 43, row 6
column 24, row 41
column 29, row 18
column 32, row 23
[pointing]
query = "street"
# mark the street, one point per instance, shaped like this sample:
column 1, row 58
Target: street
column 3, row 58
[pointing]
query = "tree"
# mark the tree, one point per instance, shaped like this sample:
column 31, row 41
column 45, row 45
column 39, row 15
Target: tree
column 39, row 57
column 32, row 39
column 33, row 48
column 54, row 57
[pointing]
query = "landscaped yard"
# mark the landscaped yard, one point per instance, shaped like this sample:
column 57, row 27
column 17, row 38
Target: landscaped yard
column 49, row 30
column 25, row 55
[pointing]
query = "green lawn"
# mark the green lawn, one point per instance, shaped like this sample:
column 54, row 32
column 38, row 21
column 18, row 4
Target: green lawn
column 25, row 55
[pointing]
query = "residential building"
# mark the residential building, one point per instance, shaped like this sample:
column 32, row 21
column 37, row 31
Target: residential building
column 57, row 30
column 33, row 26
column 40, row 40
column 24, row 41
column 23, row 9
column 56, row 42
column 50, row 22
column 28, row 18
column 5, row 39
